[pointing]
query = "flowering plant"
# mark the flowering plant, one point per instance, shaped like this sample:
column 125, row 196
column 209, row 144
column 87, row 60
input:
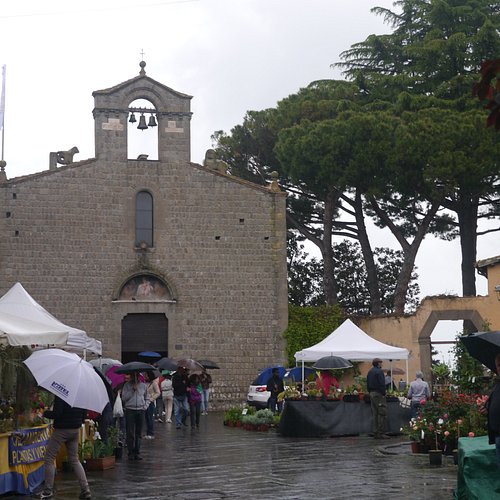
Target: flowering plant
column 440, row 423
column 7, row 415
column 414, row 429
column 95, row 447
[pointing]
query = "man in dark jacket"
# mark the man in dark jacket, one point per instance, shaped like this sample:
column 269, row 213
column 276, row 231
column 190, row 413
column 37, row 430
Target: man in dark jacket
column 275, row 387
column 67, row 423
column 375, row 381
column 180, row 385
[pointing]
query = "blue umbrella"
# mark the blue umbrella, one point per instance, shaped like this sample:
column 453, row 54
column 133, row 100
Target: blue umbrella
column 267, row 373
column 295, row 374
column 150, row 354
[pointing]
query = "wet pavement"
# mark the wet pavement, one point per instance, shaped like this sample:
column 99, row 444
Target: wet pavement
column 219, row 462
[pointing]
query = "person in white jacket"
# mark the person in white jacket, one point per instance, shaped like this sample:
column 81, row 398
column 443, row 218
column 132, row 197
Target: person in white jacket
column 167, row 394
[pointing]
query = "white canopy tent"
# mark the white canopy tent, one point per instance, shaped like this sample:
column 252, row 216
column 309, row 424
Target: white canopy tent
column 350, row 342
column 25, row 322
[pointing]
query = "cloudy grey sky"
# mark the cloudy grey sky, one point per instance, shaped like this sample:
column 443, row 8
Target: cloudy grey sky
column 230, row 55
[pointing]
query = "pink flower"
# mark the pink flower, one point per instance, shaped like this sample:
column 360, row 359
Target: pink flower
column 459, row 422
column 422, row 402
column 446, row 433
column 445, row 416
column 471, row 434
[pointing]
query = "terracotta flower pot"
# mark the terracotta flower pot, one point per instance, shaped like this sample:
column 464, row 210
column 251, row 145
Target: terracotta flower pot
column 102, row 463
column 415, row 447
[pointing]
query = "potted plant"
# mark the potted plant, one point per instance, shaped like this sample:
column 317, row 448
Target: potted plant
column 250, row 422
column 291, row 392
column 414, row 432
column 264, row 419
column 233, row 416
column 351, row 394
column 97, row 454
column 115, row 438
column 334, row 394
column 392, row 396
column 436, row 454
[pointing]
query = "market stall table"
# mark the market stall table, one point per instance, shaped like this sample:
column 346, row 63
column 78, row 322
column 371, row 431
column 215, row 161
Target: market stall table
column 325, row 418
column 21, row 459
column 478, row 477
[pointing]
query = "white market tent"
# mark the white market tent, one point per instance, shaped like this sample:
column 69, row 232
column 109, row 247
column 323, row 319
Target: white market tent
column 350, row 342
column 25, row 322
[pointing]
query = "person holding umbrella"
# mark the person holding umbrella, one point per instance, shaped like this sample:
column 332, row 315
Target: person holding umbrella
column 327, row 382
column 167, row 394
column 135, row 400
column 153, row 394
column 205, row 380
column 67, row 423
column 77, row 388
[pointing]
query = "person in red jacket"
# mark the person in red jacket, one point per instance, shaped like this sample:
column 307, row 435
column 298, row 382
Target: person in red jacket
column 327, row 382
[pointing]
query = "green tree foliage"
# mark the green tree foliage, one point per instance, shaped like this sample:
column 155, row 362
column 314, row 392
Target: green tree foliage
column 460, row 157
column 435, row 51
column 436, row 47
column 397, row 143
column 468, row 373
column 305, row 276
column 356, row 156
column 308, row 326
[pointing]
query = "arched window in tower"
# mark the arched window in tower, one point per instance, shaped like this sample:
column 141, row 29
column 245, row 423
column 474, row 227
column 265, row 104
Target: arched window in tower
column 142, row 131
column 144, row 219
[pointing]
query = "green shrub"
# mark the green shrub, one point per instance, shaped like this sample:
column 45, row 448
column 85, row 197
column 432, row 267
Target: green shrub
column 265, row 416
column 308, row 326
column 233, row 414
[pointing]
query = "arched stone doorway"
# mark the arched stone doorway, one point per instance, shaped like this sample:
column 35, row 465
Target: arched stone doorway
column 424, row 338
column 145, row 306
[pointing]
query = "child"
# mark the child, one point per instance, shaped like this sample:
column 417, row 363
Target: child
column 194, row 398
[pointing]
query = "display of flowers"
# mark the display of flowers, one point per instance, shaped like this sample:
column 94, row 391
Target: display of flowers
column 7, row 415
column 440, row 423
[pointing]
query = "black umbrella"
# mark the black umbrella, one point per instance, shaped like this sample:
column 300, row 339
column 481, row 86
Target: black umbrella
column 135, row 366
column 209, row 365
column 484, row 346
column 332, row 363
column 167, row 364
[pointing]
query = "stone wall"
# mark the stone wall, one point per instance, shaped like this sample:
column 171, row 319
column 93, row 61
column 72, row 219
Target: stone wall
column 219, row 242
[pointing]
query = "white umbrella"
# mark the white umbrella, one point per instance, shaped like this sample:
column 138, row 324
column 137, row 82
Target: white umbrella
column 69, row 377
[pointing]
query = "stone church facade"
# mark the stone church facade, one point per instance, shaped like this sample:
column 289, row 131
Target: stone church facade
column 152, row 255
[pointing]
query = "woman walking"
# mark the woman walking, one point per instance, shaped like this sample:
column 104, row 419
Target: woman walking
column 167, row 394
